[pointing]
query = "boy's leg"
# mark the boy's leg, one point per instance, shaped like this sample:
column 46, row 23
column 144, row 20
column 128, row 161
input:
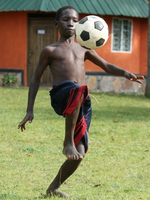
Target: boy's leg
column 69, row 149
column 66, row 170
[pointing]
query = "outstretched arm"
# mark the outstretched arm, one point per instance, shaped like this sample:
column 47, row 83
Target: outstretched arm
column 33, row 88
column 110, row 68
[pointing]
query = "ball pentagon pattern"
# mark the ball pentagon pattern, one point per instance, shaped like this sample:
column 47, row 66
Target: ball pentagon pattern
column 91, row 32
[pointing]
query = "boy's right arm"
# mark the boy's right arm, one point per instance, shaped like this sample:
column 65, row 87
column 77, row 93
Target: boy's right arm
column 34, row 86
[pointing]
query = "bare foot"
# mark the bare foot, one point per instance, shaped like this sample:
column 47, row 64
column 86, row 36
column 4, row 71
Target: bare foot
column 56, row 192
column 71, row 153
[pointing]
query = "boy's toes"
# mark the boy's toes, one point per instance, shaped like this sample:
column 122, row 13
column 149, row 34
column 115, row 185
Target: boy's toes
column 71, row 153
column 75, row 157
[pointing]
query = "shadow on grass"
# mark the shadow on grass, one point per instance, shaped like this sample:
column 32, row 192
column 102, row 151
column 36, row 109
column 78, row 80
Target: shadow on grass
column 103, row 113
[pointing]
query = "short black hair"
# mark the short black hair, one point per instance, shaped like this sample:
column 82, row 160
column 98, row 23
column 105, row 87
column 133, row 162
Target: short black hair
column 60, row 10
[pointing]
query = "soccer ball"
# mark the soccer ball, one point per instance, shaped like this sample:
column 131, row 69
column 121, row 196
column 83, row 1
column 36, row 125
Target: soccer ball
column 91, row 32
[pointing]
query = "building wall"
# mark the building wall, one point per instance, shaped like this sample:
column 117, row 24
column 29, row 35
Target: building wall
column 105, row 83
column 13, row 41
column 136, row 61
column 144, row 46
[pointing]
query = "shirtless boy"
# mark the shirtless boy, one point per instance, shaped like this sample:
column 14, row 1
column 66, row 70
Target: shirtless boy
column 66, row 61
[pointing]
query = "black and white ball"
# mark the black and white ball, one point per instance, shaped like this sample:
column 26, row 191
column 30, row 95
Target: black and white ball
column 91, row 32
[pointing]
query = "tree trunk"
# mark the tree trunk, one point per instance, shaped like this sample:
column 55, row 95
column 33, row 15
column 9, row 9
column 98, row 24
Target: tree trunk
column 147, row 90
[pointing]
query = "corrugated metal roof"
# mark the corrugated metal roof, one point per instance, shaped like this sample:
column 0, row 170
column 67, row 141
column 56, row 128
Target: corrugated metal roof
column 133, row 8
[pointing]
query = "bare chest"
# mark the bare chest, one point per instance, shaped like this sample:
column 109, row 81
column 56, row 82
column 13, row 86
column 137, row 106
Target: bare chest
column 68, row 54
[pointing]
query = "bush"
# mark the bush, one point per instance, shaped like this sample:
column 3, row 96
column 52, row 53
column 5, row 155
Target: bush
column 9, row 80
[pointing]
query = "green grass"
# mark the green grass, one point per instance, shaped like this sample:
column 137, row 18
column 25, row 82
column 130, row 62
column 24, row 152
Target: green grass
column 116, row 167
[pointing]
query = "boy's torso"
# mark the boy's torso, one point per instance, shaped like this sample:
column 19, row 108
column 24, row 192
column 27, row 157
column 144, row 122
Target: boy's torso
column 67, row 63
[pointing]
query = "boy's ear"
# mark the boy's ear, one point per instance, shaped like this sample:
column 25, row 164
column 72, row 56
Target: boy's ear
column 56, row 23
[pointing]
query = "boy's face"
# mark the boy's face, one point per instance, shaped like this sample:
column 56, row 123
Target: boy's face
column 67, row 22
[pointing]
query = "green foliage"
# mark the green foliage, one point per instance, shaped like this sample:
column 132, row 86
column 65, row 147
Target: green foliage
column 116, row 167
column 9, row 80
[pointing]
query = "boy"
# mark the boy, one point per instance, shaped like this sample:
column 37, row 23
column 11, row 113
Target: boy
column 69, row 95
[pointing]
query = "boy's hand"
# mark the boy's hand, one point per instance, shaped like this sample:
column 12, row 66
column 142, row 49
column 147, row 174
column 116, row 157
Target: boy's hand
column 28, row 117
column 133, row 77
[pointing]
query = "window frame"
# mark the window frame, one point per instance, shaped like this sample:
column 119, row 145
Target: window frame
column 121, row 36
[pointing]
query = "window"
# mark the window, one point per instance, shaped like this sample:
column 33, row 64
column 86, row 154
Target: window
column 122, row 35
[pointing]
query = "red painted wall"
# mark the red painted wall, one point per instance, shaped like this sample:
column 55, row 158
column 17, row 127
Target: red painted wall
column 144, row 46
column 13, row 41
column 136, row 61
column 13, row 45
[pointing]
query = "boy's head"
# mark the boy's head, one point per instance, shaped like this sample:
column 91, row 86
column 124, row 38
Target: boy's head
column 59, row 12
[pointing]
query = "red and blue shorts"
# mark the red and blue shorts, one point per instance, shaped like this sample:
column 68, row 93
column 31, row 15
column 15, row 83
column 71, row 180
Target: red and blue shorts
column 65, row 97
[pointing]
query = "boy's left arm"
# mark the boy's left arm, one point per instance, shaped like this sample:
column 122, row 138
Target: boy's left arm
column 110, row 68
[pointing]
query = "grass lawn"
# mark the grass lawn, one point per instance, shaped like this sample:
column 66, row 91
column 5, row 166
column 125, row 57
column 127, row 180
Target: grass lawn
column 116, row 167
